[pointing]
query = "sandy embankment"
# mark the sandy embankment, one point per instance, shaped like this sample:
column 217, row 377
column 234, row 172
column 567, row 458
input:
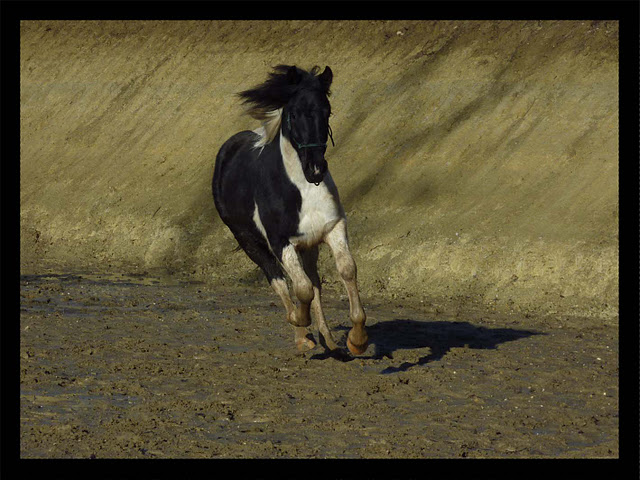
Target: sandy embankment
column 477, row 161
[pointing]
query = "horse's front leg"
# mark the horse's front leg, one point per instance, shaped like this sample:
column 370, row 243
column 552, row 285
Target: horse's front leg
column 300, row 318
column 357, row 340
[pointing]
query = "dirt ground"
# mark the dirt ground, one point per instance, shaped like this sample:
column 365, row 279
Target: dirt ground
column 477, row 162
column 132, row 366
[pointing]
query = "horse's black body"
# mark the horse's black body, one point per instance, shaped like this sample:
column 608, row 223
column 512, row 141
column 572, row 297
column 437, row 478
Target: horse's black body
column 250, row 179
column 272, row 189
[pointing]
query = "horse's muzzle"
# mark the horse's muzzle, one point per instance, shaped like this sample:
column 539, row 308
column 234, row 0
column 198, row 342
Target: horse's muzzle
column 315, row 171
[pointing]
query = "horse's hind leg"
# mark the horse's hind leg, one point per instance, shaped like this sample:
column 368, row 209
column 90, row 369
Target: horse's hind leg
column 357, row 340
column 310, row 264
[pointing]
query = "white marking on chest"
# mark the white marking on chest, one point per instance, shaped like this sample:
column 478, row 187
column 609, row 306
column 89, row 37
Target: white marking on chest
column 320, row 210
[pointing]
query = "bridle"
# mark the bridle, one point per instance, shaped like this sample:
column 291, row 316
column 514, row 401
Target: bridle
column 308, row 145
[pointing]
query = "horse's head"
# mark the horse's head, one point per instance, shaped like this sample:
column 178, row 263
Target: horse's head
column 305, row 120
column 301, row 97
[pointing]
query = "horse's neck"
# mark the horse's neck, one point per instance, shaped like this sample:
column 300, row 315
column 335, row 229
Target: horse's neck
column 291, row 163
column 324, row 196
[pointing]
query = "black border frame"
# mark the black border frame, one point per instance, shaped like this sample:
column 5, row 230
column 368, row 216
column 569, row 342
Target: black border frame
column 626, row 12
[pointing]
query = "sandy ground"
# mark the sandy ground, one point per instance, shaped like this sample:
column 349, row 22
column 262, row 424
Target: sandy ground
column 478, row 166
column 151, row 367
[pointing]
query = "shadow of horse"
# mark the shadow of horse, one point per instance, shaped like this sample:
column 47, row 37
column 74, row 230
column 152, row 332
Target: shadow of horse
column 440, row 337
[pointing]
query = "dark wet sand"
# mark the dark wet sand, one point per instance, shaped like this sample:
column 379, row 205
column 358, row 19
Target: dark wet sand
column 117, row 366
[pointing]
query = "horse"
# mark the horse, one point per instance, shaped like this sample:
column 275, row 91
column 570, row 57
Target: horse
column 273, row 190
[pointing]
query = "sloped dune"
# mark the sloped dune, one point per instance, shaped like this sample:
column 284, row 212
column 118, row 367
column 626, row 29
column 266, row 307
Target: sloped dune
column 477, row 161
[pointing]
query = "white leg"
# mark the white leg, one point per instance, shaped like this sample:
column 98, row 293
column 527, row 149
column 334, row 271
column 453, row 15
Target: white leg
column 303, row 290
column 357, row 339
column 303, row 338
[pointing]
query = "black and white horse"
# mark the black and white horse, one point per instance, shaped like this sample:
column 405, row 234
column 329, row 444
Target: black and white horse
column 273, row 189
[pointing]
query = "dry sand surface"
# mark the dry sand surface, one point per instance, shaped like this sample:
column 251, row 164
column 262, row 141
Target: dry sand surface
column 478, row 166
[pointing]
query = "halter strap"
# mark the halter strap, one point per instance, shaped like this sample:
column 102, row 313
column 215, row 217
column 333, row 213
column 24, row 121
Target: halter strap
column 309, row 145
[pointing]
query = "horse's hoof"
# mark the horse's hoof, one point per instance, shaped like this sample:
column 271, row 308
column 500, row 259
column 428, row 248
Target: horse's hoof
column 305, row 344
column 357, row 349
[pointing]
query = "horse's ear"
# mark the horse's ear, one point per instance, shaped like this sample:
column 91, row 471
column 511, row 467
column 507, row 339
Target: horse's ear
column 325, row 79
column 292, row 75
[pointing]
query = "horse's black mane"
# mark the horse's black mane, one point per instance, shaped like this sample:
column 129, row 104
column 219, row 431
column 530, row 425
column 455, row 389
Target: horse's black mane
column 279, row 88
